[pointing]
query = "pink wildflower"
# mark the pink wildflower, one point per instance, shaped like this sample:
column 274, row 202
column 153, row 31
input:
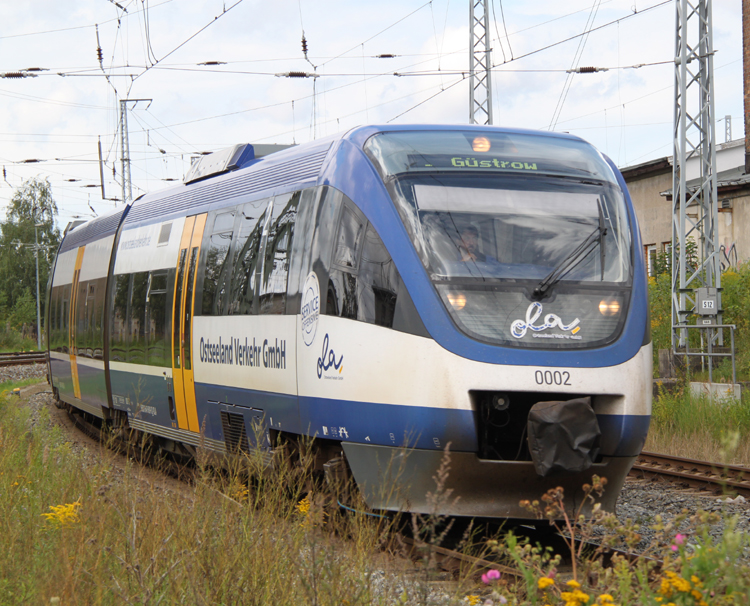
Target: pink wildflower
column 490, row 575
column 679, row 539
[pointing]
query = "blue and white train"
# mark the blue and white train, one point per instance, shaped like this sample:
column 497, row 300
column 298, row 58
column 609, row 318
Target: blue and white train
column 389, row 292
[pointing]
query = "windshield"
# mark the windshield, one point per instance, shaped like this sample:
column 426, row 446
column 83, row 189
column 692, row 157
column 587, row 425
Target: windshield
column 521, row 259
column 484, row 229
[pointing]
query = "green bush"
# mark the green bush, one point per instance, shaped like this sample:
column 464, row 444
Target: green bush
column 735, row 302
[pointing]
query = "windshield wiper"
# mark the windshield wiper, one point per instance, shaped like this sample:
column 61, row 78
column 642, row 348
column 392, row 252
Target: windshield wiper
column 583, row 250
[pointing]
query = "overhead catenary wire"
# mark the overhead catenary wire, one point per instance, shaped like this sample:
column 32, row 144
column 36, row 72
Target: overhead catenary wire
column 574, row 65
column 341, row 73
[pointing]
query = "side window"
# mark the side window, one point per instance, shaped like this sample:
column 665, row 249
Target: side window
column 216, row 275
column 65, row 315
column 89, row 336
column 137, row 318
column 99, row 318
column 363, row 282
column 342, row 284
column 157, row 306
column 273, row 286
column 54, row 324
column 80, row 319
column 118, row 337
column 349, row 240
column 246, row 266
column 378, row 282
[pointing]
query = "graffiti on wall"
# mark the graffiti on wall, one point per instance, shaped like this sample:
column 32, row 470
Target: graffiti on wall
column 728, row 256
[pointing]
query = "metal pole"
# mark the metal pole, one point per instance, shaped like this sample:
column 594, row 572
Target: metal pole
column 480, row 64
column 694, row 140
column 38, row 307
column 127, row 190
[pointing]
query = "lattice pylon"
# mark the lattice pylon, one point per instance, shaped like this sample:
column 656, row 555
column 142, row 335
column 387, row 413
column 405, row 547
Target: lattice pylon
column 694, row 211
column 480, row 68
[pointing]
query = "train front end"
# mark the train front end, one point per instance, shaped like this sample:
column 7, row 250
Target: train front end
column 520, row 251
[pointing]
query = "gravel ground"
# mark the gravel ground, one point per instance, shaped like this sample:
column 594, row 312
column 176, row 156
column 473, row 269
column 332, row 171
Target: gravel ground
column 641, row 500
column 19, row 373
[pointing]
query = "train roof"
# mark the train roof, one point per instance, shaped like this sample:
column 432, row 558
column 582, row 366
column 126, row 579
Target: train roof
column 295, row 167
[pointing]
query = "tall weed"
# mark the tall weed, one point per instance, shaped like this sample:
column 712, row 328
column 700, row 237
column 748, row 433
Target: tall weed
column 698, row 426
column 735, row 302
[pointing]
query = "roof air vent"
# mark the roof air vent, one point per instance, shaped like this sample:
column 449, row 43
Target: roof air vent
column 219, row 162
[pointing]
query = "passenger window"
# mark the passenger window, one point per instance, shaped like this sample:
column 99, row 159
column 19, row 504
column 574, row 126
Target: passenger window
column 216, row 275
column 273, row 287
column 166, row 230
column 351, row 229
column 137, row 319
column 65, row 315
column 157, row 304
column 224, row 221
column 342, row 295
column 363, row 282
column 378, row 282
column 119, row 330
column 87, row 338
column 245, row 266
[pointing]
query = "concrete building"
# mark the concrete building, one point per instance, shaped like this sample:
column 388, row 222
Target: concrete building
column 650, row 186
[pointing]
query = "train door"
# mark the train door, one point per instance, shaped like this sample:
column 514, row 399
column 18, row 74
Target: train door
column 72, row 349
column 184, row 297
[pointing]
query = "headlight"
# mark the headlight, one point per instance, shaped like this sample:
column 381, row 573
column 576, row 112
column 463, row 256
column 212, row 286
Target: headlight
column 609, row 308
column 457, row 300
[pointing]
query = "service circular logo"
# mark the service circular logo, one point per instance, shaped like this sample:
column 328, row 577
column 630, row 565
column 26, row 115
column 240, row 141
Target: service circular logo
column 310, row 308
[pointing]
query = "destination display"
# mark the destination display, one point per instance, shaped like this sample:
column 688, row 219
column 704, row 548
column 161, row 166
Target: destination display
column 483, row 162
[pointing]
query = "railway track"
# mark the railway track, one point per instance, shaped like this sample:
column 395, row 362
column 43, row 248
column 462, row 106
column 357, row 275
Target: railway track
column 19, row 358
column 693, row 474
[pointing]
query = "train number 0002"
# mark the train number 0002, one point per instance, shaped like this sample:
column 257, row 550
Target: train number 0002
column 550, row 377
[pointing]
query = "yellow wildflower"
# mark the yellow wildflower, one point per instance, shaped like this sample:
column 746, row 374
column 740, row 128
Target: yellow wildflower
column 241, row 494
column 303, row 507
column 544, row 582
column 574, row 584
column 575, row 597
column 63, row 515
column 605, row 598
column 473, row 600
column 311, row 517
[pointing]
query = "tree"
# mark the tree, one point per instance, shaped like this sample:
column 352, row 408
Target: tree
column 31, row 206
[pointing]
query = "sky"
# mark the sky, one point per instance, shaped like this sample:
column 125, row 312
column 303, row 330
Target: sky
column 155, row 52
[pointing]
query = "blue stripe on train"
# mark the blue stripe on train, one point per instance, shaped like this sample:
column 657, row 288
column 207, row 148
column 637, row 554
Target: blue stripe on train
column 346, row 420
column 388, row 424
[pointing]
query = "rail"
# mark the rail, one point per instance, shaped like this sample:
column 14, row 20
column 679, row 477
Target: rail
column 19, row 358
column 695, row 474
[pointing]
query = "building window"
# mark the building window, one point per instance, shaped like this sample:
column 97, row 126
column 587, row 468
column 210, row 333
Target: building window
column 650, row 250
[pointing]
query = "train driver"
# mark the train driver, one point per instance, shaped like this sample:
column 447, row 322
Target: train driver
column 469, row 246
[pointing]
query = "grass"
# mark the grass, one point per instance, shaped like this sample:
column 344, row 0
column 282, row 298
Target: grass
column 11, row 341
column 97, row 530
column 700, row 428
column 11, row 385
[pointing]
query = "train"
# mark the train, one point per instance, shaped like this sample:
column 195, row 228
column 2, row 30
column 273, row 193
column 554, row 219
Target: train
column 398, row 295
